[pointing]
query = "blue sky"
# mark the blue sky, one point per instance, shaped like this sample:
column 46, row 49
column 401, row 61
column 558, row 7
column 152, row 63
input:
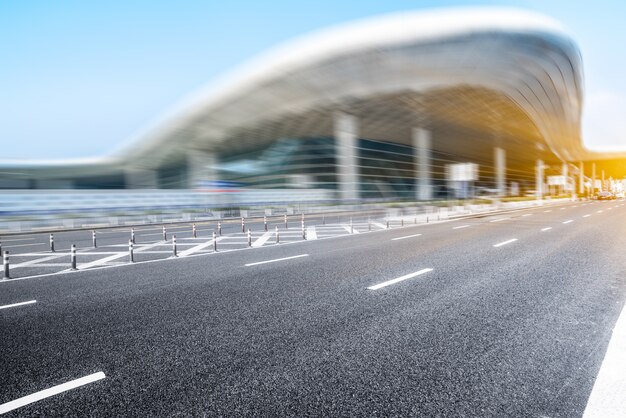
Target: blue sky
column 79, row 78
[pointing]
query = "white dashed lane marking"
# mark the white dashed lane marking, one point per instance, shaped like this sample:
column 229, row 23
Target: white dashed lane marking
column 55, row 390
column 276, row 259
column 14, row 305
column 399, row 279
column 500, row 244
column 407, row 236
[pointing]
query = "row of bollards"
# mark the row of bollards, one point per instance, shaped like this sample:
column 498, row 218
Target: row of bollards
column 132, row 240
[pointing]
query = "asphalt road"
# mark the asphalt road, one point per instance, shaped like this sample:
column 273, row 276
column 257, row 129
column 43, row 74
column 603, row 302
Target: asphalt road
column 513, row 320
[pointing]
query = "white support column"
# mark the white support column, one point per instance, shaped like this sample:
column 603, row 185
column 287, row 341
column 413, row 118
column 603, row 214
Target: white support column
column 201, row 169
column 593, row 178
column 499, row 159
column 346, row 136
column 581, row 178
column 564, row 173
column 140, row 178
column 539, row 179
column 422, row 144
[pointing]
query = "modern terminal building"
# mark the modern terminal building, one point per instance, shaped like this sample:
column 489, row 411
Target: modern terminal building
column 414, row 106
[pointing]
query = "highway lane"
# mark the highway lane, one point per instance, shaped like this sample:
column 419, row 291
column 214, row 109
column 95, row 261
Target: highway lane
column 513, row 330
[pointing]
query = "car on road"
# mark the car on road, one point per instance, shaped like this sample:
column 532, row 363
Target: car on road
column 605, row 196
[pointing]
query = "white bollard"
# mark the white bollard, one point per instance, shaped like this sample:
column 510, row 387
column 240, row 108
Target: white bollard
column 193, row 231
column 5, row 264
column 52, row 242
column 249, row 238
column 214, row 242
column 174, row 252
column 132, row 235
column 164, row 233
column 93, row 239
column 131, row 255
column 277, row 236
column 73, row 257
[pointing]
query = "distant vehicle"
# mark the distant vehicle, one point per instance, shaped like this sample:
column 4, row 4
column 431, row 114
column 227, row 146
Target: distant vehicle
column 605, row 196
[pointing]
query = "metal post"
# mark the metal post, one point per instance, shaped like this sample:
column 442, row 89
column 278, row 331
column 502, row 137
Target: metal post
column 131, row 255
column 249, row 238
column 175, row 253
column 164, row 233
column 243, row 225
column 402, row 222
column 193, row 231
column 93, row 239
column 265, row 223
column 286, row 224
column 277, row 236
column 132, row 235
column 5, row 263
column 387, row 224
column 73, row 256
column 214, row 242
column 219, row 228
column 415, row 221
column 52, row 242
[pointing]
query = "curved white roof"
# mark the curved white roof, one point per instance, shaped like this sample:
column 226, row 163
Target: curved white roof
column 515, row 70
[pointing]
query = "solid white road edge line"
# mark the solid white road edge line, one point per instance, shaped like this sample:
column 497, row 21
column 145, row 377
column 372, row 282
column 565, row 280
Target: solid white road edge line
column 55, row 390
column 408, row 236
column 608, row 396
column 399, row 279
column 276, row 259
column 13, row 305
column 500, row 244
